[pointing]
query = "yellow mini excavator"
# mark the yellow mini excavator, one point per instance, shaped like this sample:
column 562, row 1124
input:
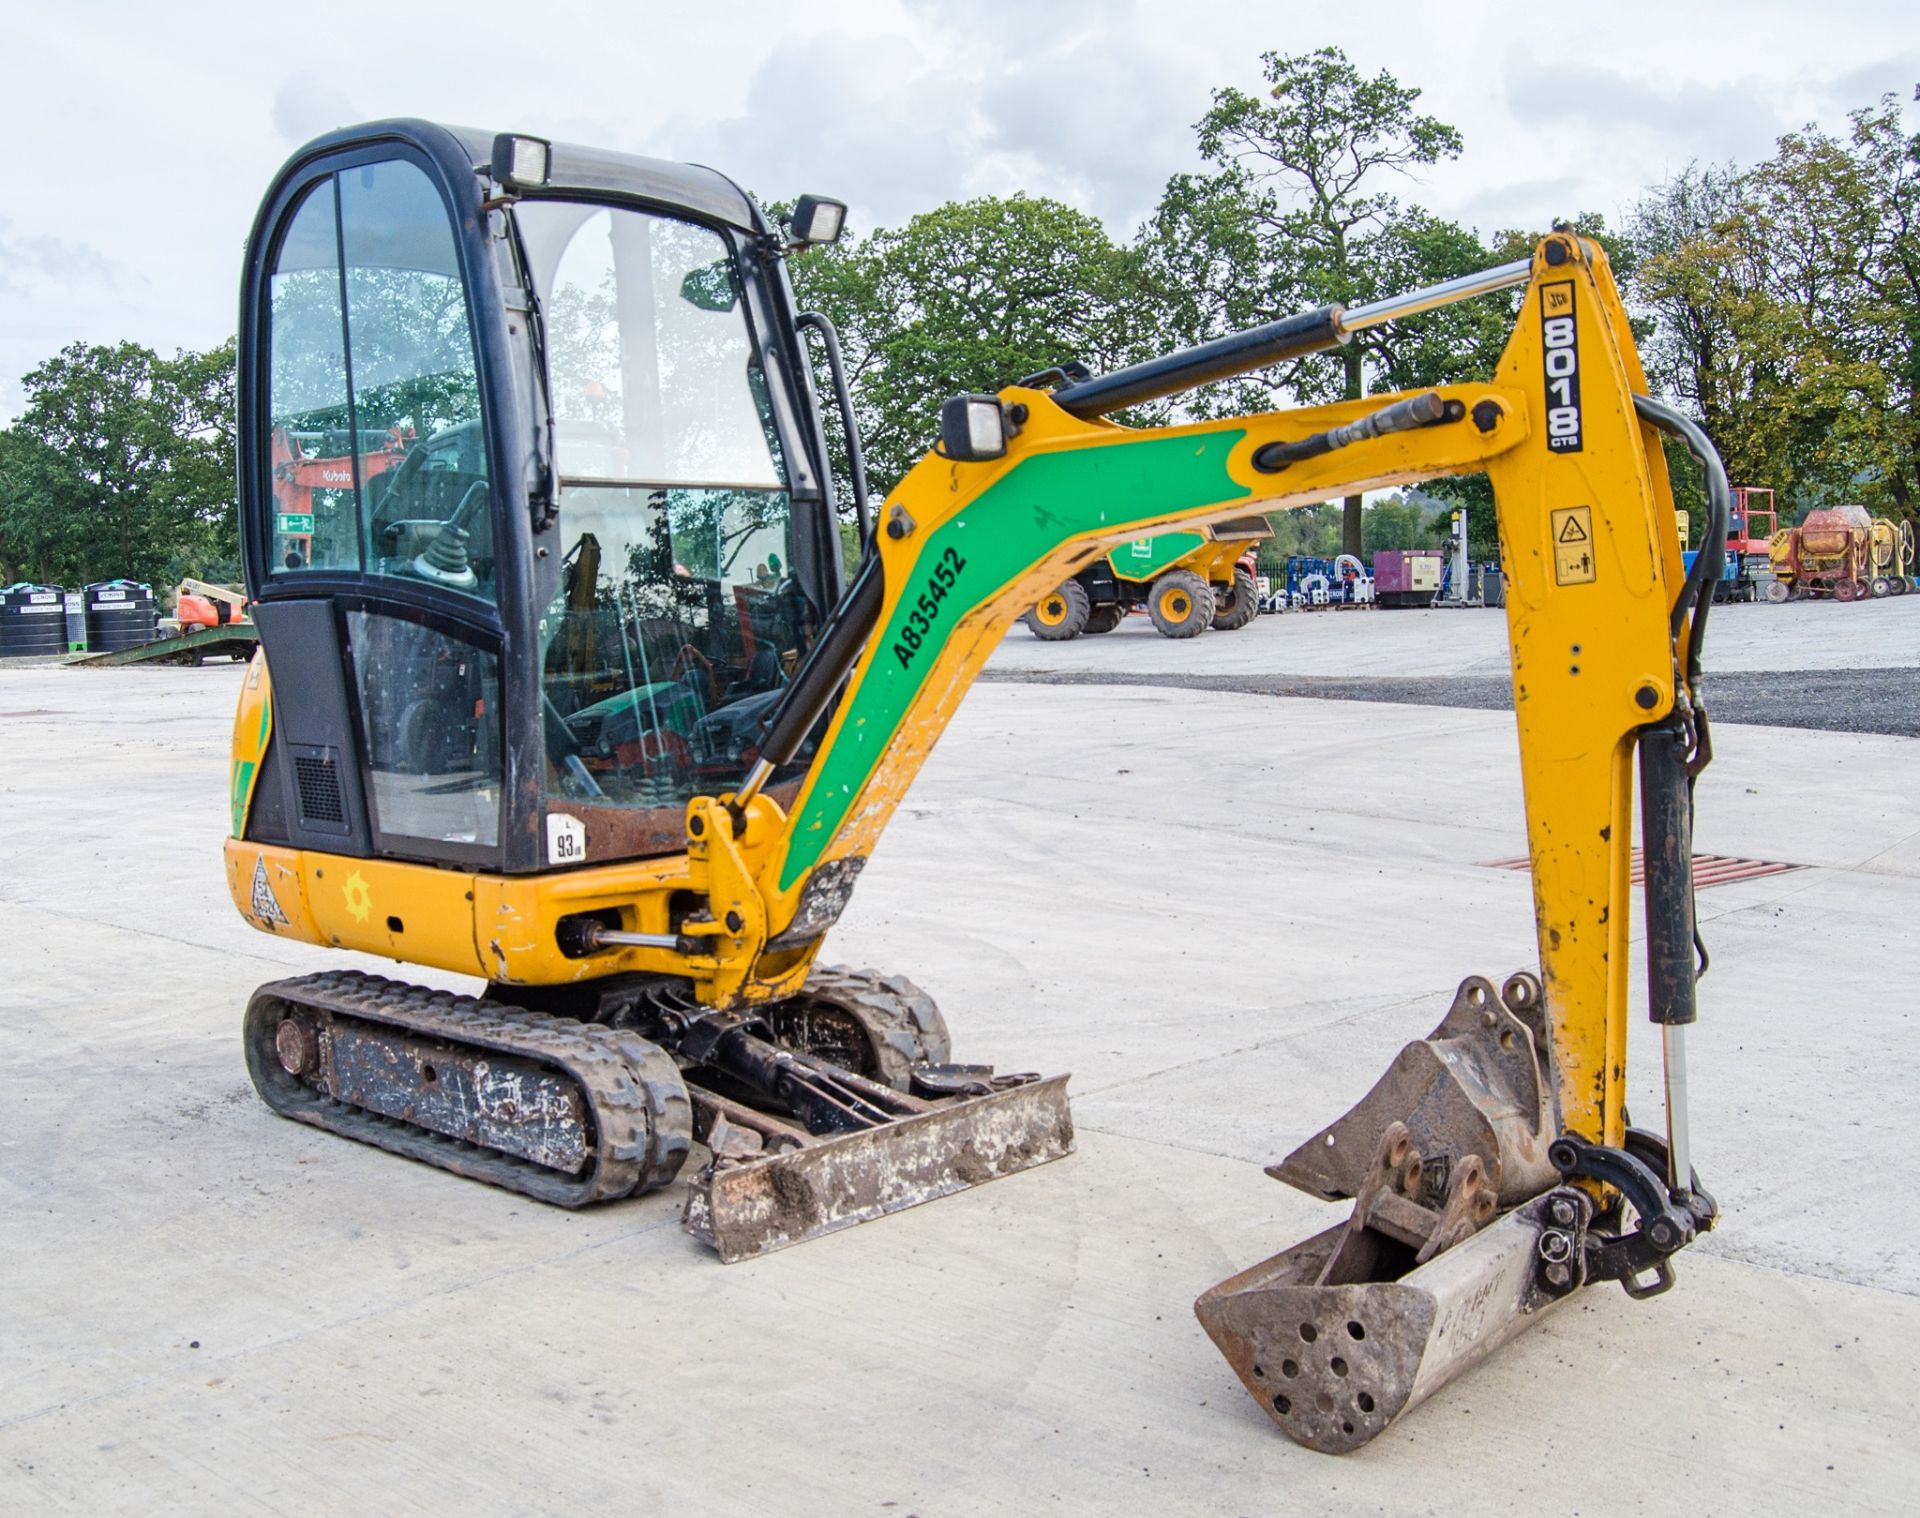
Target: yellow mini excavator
column 570, row 699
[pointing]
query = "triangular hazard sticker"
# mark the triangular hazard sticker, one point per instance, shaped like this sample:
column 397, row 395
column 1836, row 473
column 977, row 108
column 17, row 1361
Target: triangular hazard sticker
column 265, row 906
column 1573, row 532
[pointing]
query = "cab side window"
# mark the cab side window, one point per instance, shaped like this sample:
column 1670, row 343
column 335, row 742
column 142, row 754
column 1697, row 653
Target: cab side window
column 379, row 453
column 315, row 503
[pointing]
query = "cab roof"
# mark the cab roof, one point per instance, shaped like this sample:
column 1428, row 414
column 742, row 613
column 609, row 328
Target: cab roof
column 589, row 171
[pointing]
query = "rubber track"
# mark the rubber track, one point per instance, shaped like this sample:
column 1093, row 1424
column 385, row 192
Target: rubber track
column 640, row 1117
column 910, row 1024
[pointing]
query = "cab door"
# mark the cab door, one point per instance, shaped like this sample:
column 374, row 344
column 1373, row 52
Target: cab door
column 373, row 531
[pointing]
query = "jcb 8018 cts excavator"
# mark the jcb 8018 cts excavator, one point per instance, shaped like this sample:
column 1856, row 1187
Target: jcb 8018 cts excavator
column 571, row 700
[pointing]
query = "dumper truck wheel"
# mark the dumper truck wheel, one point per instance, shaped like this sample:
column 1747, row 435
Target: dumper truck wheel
column 1181, row 604
column 875, row 1025
column 1060, row 614
column 1104, row 619
column 1241, row 605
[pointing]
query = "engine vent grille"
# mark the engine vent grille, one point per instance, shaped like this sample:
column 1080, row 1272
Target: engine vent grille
column 316, row 776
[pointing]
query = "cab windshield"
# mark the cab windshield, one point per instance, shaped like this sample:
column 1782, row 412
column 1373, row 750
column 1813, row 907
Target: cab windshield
column 678, row 618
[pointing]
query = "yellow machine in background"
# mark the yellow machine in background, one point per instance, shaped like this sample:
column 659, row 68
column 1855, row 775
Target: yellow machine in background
column 1186, row 581
column 1828, row 554
column 1892, row 553
column 571, row 701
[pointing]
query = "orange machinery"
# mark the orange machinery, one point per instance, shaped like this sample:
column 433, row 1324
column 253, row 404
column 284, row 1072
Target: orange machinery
column 300, row 467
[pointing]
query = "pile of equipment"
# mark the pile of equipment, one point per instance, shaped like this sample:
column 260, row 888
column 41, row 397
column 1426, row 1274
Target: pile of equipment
column 1311, row 583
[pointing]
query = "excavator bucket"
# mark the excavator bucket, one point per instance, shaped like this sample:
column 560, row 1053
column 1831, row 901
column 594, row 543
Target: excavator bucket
column 1334, row 1344
column 1341, row 1334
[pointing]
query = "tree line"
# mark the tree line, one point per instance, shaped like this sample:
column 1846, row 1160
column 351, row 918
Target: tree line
column 1779, row 303
column 121, row 464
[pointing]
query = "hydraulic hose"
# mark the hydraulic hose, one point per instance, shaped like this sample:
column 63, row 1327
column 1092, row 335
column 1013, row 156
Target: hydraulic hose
column 1696, row 594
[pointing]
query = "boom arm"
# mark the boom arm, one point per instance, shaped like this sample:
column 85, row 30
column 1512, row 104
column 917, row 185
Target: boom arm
column 1587, row 533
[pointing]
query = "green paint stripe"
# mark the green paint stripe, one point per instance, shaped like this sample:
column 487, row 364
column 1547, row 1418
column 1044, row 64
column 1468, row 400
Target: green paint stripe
column 1037, row 505
column 242, row 780
column 1144, row 558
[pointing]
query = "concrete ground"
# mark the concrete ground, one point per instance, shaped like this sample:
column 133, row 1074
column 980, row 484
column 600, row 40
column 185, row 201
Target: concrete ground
column 1223, row 912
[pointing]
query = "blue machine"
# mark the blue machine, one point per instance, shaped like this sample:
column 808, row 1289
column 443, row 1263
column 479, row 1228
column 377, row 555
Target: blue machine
column 1731, row 583
column 1305, row 572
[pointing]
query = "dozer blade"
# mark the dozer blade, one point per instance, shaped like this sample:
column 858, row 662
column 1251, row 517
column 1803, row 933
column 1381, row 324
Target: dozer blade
column 751, row 1206
column 1334, row 1364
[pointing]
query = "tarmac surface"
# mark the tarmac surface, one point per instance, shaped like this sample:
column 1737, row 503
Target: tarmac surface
column 1223, row 912
column 1758, row 668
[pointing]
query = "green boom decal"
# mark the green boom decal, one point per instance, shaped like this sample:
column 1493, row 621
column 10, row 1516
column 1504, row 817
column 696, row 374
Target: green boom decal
column 1038, row 504
column 1144, row 558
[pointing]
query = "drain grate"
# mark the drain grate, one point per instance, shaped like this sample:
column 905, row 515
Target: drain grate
column 1708, row 869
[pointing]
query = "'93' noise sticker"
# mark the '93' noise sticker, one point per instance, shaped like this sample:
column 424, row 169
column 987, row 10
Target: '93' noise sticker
column 1560, row 337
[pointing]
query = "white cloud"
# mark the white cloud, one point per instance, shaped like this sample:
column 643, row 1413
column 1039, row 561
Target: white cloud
column 157, row 128
column 305, row 107
column 879, row 124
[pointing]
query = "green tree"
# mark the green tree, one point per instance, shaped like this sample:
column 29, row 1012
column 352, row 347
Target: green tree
column 1404, row 521
column 1718, row 343
column 1313, row 531
column 1306, row 166
column 1784, row 302
column 969, row 297
column 145, row 484
column 39, row 505
column 1890, row 162
column 1840, row 219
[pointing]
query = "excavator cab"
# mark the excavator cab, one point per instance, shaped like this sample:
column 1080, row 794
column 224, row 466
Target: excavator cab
column 568, row 536
column 609, row 509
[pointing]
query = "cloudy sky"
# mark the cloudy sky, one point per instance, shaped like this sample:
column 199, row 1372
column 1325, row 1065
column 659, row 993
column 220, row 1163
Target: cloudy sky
column 139, row 136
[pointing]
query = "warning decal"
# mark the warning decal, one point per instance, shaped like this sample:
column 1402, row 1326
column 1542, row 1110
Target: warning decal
column 1573, row 546
column 265, row 906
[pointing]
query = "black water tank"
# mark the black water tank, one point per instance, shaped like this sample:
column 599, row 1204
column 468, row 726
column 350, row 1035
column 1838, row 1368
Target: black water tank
column 120, row 614
column 32, row 621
